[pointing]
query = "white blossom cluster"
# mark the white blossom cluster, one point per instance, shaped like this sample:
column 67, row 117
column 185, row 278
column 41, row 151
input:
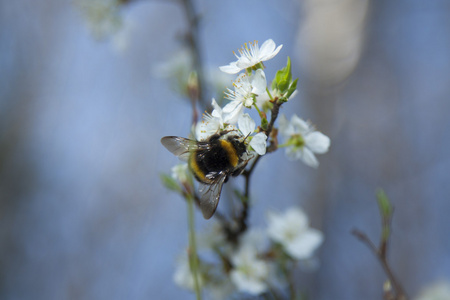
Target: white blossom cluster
column 219, row 120
column 247, row 87
column 250, row 90
column 261, row 259
column 254, row 266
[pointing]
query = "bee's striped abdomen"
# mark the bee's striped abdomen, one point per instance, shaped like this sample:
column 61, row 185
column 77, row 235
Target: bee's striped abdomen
column 233, row 158
column 221, row 157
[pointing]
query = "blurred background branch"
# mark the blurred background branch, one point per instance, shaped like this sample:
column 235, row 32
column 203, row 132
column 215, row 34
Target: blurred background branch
column 386, row 211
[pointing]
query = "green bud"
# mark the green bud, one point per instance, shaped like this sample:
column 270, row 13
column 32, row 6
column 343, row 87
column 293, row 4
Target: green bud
column 384, row 204
column 193, row 86
column 264, row 123
column 285, row 97
column 386, row 211
column 283, row 78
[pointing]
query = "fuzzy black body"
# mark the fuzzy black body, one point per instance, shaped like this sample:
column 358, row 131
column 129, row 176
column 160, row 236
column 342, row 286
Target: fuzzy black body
column 212, row 162
column 222, row 156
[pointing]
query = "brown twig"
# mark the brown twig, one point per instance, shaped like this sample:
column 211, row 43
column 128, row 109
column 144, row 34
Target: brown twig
column 193, row 41
column 233, row 232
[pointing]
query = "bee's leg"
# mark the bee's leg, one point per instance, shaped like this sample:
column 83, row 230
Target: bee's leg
column 239, row 170
column 226, row 179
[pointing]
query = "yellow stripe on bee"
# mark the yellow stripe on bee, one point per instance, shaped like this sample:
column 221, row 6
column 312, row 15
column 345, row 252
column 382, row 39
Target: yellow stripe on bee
column 231, row 152
column 195, row 168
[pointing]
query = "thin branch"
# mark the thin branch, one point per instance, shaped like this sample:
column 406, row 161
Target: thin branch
column 233, row 233
column 365, row 239
column 381, row 254
column 193, row 41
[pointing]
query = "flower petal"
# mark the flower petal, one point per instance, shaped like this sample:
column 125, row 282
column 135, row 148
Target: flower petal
column 245, row 62
column 232, row 68
column 308, row 157
column 317, row 142
column 249, row 273
column 300, row 125
column 259, row 83
column 258, row 143
column 273, row 53
column 246, row 124
column 268, row 51
column 217, row 110
column 231, row 106
column 233, row 116
column 293, row 153
column 262, row 99
column 304, row 245
column 284, row 127
column 267, row 48
column 245, row 283
column 205, row 129
column 276, row 226
column 297, row 218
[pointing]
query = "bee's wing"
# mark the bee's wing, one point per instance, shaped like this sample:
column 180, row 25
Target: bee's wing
column 210, row 195
column 179, row 146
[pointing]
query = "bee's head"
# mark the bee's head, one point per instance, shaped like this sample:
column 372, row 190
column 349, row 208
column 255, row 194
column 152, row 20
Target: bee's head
column 238, row 143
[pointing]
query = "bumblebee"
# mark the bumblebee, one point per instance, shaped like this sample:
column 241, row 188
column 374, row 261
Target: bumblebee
column 211, row 161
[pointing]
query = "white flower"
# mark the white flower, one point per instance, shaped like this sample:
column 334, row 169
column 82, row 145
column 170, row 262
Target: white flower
column 251, row 55
column 303, row 141
column 258, row 143
column 212, row 123
column 249, row 273
column 263, row 99
column 292, row 231
column 183, row 276
column 102, row 16
column 437, row 291
column 245, row 90
column 181, row 172
column 247, row 126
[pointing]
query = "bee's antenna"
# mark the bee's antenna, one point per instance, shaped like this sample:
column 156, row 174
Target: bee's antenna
column 247, row 136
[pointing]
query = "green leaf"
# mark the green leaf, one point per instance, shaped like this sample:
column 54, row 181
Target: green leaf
column 285, row 97
column 283, row 78
column 274, row 84
column 292, row 88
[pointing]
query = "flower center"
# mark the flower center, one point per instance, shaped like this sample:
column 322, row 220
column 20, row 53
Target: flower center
column 247, row 270
column 297, row 141
column 248, row 101
column 290, row 234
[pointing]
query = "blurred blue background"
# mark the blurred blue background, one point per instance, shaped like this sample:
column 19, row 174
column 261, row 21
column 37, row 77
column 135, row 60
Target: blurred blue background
column 83, row 214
